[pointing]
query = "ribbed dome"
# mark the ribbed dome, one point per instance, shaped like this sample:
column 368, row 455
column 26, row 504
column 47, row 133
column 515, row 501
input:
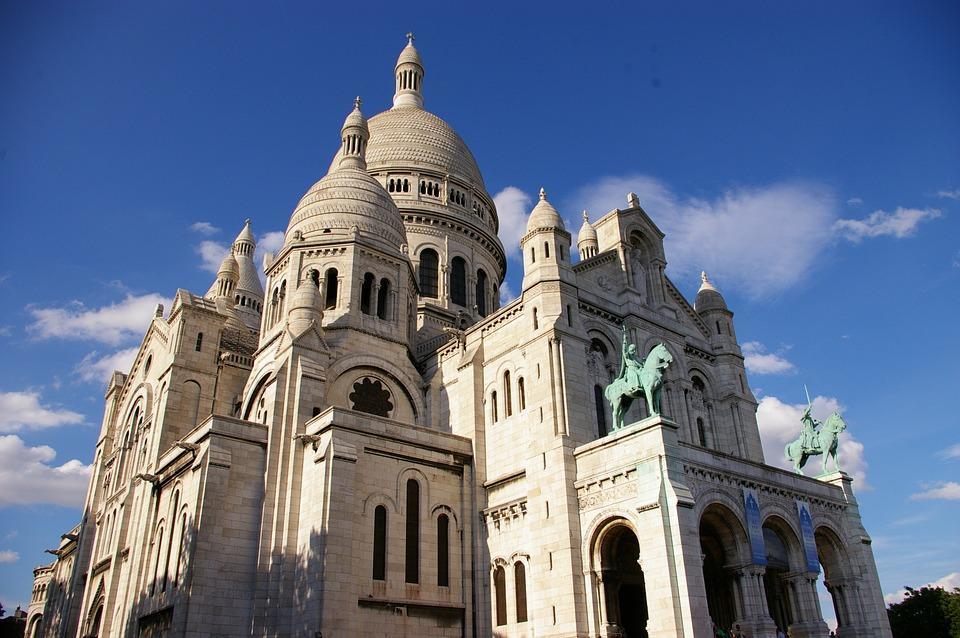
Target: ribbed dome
column 544, row 215
column 708, row 297
column 409, row 137
column 348, row 197
column 409, row 55
column 587, row 232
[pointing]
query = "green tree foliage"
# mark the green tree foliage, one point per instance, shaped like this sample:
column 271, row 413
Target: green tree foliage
column 931, row 612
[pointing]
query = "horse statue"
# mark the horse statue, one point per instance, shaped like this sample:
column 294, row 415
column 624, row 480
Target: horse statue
column 637, row 380
column 812, row 442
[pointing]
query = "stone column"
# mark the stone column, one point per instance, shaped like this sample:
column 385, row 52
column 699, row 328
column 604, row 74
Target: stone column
column 756, row 620
column 809, row 620
column 374, row 297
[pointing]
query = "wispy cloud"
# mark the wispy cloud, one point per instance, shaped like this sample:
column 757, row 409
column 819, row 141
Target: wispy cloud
column 24, row 410
column 98, row 368
column 761, row 240
column 204, row 228
column 949, row 194
column 939, row 490
column 506, row 294
column 759, row 361
column 513, row 208
column 111, row 324
column 780, row 423
column 951, row 453
column 854, row 201
column 902, row 222
column 28, row 478
column 9, row 556
column 211, row 254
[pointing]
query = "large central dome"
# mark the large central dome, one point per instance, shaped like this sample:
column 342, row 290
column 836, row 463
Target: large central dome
column 415, row 138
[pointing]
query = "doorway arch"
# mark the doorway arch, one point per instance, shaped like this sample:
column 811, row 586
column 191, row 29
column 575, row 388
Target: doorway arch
column 620, row 581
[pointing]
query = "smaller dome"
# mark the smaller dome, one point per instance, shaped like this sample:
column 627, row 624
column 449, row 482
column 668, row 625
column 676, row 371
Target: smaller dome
column 229, row 268
column 587, row 234
column 708, row 297
column 544, row 215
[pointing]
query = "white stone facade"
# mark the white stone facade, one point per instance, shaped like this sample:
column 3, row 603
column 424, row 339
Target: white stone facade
column 373, row 447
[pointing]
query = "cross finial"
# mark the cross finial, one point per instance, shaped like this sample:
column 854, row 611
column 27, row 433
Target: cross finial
column 246, row 222
column 586, row 217
column 703, row 277
column 410, row 38
column 543, row 194
column 357, row 102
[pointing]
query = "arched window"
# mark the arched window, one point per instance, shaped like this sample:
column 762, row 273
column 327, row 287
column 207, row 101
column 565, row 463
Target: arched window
column 199, row 341
column 500, row 594
column 482, row 293
column 383, row 299
column 533, row 255
column 601, row 410
column 458, row 281
column 181, row 558
column 191, row 402
column 701, row 432
column 536, row 323
column 366, row 292
column 380, row 543
column 429, row 273
column 443, row 551
column 332, row 282
column 546, row 250
column 520, row 585
column 413, row 532
column 283, row 297
column 156, row 565
column 493, row 406
column 521, row 395
column 507, row 395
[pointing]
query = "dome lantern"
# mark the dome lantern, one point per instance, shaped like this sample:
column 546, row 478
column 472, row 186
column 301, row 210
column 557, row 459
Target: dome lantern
column 354, row 136
column 409, row 77
column 587, row 238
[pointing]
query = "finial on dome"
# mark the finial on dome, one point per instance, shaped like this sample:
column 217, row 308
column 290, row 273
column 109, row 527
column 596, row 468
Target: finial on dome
column 409, row 77
column 354, row 136
column 543, row 194
column 705, row 283
column 586, row 216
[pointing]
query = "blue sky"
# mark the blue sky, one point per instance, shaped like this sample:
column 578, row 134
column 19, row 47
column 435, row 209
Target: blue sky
column 807, row 156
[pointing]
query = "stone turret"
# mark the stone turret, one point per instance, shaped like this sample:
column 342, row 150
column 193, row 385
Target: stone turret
column 305, row 305
column 713, row 309
column 587, row 239
column 546, row 246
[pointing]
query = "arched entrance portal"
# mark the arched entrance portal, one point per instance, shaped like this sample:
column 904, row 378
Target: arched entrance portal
column 622, row 587
column 774, row 582
column 721, row 540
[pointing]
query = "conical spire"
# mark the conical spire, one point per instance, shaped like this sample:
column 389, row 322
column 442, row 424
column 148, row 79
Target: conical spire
column 409, row 77
column 354, row 136
column 244, row 243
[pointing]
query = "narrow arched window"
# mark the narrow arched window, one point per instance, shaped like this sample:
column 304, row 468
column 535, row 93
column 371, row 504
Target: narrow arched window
column 413, row 532
column 500, row 594
column 383, row 299
column 380, row 543
column 156, row 565
column 601, row 410
column 546, row 250
column 482, row 293
column 521, row 395
column 283, row 296
column 443, row 551
column 366, row 291
column 181, row 558
column 493, row 406
column 332, row 279
column 507, row 395
column 520, row 587
column 536, row 323
column 458, row 281
column 701, row 432
column 199, row 341
column 429, row 271
column 533, row 255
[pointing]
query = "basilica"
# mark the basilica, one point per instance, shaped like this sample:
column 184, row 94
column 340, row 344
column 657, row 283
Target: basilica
column 372, row 444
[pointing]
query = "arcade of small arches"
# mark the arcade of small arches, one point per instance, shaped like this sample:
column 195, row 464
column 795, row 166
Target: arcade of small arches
column 430, row 188
column 781, row 594
column 509, row 598
column 457, row 285
column 502, row 395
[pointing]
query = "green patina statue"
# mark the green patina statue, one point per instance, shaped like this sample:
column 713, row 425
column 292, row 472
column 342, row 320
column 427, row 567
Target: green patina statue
column 637, row 380
column 812, row 441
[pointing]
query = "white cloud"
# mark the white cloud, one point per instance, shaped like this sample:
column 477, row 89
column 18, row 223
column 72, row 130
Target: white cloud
column 759, row 361
column 949, row 194
column 111, row 324
column 19, row 410
column 9, row 556
column 760, row 240
column 28, row 478
column 900, row 223
column 95, row 367
column 513, row 207
column 204, row 228
column 506, row 294
column 211, row 254
column 780, row 423
column 952, row 452
column 940, row 490
column 854, row 201
column 948, row 582
column 270, row 242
